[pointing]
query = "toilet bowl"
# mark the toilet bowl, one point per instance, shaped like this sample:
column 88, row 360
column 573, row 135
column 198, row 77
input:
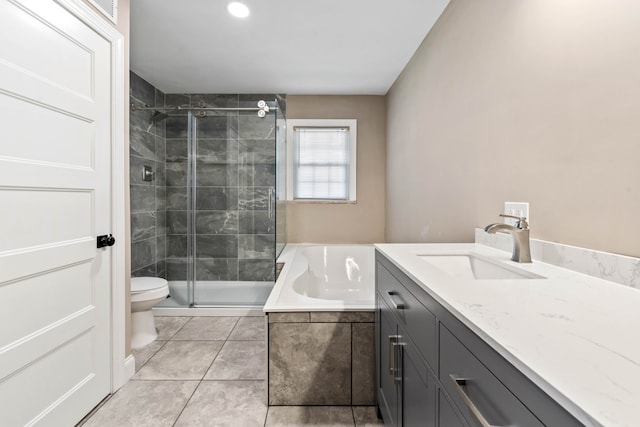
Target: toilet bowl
column 145, row 293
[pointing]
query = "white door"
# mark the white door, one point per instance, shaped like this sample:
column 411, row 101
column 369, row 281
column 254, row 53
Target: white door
column 54, row 200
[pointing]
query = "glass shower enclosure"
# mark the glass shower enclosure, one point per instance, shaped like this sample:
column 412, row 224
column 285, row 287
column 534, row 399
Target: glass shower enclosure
column 225, row 199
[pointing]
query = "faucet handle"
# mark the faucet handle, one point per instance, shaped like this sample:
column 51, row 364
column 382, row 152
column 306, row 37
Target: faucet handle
column 522, row 220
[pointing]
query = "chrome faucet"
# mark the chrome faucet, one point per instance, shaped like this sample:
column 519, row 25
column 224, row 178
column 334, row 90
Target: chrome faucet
column 520, row 233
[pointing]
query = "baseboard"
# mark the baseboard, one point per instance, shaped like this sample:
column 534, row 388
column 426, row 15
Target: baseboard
column 129, row 367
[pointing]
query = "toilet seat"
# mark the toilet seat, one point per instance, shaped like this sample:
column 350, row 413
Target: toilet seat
column 144, row 284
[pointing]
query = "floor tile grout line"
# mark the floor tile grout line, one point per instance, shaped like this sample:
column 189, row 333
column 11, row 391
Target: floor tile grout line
column 180, row 328
column 151, row 357
column 205, row 372
column 203, row 375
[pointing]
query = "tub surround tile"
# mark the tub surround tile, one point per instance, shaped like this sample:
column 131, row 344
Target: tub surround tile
column 296, row 416
column 239, row 360
column 363, row 364
column 168, row 326
column 366, row 416
column 249, row 329
column 309, row 363
column 180, row 360
column 144, row 403
column 226, row 403
column 207, row 328
column 289, row 317
column 346, row 316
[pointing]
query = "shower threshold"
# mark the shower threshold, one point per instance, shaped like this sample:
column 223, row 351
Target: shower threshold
column 215, row 298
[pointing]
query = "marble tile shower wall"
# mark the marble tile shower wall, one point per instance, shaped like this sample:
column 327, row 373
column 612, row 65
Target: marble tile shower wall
column 148, row 199
column 235, row 167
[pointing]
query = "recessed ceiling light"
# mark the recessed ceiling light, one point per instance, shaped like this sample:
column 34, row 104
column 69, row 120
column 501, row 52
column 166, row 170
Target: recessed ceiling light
column 237, row 9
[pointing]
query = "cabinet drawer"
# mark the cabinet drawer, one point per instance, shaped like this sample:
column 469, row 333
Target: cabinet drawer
column 475, row 391
column 419, row 323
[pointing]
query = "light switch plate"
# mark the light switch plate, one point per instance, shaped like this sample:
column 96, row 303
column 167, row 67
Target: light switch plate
column 520, row 209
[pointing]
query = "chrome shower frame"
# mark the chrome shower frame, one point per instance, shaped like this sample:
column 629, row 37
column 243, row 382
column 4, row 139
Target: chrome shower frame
column 201, row 111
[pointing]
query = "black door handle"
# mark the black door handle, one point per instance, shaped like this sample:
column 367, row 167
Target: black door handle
column 106, row 240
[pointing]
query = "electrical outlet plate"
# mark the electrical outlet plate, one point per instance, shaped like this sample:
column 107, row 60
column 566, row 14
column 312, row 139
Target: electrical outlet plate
column 520, row 209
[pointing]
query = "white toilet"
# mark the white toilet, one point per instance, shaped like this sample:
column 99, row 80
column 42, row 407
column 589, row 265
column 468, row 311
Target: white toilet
column 145, row 293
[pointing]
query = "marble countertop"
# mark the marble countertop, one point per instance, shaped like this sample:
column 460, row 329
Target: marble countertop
column 574, row 335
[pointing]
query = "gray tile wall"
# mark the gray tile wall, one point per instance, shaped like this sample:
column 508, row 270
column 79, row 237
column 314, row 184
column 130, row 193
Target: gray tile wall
column 235, row 166
column 148, row 199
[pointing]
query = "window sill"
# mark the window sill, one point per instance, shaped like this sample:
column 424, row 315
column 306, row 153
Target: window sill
column 322, row 202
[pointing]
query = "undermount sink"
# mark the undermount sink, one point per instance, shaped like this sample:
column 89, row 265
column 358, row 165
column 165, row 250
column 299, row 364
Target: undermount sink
column 473, row 266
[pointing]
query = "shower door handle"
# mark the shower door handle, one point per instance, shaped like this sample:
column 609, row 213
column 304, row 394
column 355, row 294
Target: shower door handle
column 270, row 203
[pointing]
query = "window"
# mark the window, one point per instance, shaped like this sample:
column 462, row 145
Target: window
column 321, row 160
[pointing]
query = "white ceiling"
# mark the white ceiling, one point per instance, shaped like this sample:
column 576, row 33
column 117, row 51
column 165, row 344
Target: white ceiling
column 336, row 47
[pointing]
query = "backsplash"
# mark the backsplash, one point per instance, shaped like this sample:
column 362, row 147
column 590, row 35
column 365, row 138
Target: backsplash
column 621, row 269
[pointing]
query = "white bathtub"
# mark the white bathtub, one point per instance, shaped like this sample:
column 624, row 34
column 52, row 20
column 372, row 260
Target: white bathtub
column 324, row 278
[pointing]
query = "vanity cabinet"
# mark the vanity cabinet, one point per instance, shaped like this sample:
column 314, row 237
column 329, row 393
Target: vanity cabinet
column 432, row 370
column 406, row 333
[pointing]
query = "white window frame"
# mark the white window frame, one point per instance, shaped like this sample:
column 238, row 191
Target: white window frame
column 352, row 124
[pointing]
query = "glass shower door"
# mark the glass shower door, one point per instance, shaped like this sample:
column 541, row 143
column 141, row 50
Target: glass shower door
column 233, row 209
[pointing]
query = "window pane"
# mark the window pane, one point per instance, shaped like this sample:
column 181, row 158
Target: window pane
column 321, row 166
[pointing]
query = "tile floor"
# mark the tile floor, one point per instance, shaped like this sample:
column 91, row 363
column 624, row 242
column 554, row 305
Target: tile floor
column 211, row 371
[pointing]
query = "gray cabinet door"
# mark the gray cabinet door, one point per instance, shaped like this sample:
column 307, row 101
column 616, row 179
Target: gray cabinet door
column 418, row 388
column 447, row 416
column 388, row 398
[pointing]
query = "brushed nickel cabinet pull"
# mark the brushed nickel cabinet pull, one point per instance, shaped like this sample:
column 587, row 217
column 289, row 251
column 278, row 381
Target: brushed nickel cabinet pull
column 393, row 296
column 458, row 383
